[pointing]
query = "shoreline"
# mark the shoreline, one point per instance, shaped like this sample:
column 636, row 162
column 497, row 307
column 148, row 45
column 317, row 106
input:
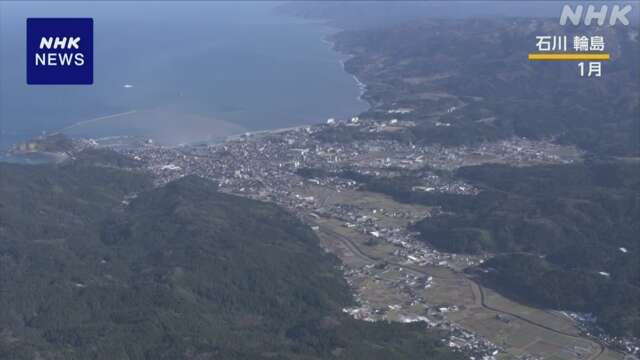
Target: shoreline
column 331, row 29
column 346, row 57
column 325, row 33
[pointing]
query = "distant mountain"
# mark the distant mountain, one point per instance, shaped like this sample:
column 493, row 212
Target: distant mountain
column 95, row 263
column 474, row 76
column 371, row 14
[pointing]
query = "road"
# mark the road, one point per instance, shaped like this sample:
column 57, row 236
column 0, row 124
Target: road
column 478, row 290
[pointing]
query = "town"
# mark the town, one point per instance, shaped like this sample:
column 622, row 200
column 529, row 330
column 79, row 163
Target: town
column 394, row 275
column 266, row 166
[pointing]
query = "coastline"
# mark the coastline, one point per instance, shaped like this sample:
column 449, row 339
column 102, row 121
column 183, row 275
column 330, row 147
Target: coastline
column 86, row 128
column 344, row 58
column 201, row 90
column 330, row 29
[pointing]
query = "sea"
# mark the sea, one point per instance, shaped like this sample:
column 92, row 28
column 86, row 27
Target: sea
column 177, row 72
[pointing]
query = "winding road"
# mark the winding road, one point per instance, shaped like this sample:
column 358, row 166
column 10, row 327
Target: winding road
column 475, row 286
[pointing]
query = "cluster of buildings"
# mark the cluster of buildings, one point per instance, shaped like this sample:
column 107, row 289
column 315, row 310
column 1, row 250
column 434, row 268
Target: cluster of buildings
column 265, row 166
column 409, row 248
column 514, row 151
column 410, row 284
column 587, row 324
column 268, row 161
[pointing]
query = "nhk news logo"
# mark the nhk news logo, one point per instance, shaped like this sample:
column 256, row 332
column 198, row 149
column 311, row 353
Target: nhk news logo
column 59, row 51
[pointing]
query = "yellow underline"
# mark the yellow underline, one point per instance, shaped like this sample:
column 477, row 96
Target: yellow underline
column 568, row 56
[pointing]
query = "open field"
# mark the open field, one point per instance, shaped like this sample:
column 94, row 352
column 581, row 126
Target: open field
column 518, row 328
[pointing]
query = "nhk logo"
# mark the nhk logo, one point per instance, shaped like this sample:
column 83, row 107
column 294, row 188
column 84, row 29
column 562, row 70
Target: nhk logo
column 59, row 51
column 56, row 58
column 575, row 15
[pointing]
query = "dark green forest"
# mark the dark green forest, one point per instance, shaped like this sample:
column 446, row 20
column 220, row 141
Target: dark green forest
column 479, row 67
column 180, row 272
column 545, row 283
column 555, row 226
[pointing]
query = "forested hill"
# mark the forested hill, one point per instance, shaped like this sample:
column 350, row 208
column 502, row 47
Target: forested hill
column 479, row 68
column 567, row 235
column 96, row 264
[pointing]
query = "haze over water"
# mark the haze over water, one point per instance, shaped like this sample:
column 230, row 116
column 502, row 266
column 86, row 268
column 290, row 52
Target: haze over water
column 193, row 71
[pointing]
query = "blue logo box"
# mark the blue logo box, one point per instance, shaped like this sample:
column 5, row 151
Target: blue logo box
column 59, row 51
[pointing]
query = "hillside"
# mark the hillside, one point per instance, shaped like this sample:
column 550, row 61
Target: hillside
column 479, row 68
column 177, row 272
column 566, row 235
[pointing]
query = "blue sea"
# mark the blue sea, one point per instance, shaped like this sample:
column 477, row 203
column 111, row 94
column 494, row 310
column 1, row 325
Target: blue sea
column 177, row 72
